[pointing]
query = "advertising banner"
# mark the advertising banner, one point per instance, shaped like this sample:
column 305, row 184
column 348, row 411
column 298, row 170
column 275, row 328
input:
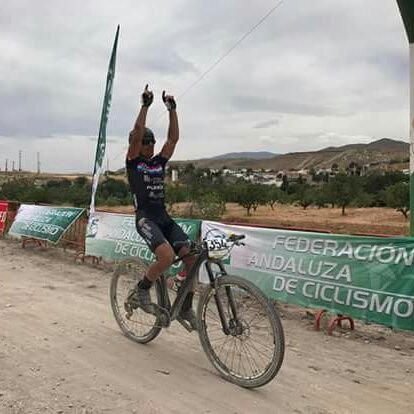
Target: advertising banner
column 43, row 222
column 368, row 278
column 114, row 237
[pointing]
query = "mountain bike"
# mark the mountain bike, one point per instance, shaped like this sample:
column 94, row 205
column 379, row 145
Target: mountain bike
column 238, row 326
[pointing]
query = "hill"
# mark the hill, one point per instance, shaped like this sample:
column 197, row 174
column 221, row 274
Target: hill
column 260, row 155
column 381, row 152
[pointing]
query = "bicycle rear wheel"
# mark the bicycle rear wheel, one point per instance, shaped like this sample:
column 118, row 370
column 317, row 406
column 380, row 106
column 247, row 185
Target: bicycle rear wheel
column 251, row 353
column 140, row 326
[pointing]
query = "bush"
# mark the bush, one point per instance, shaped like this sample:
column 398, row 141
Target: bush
column 207, row 206
column 398, row 196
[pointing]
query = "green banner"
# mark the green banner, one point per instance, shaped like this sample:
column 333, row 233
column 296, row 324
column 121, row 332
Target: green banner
column 368, row 278
column 101, row 145
column 114, row 237
column 44, row 223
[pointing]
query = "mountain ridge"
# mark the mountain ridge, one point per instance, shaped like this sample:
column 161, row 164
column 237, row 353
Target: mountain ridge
column 381, row 151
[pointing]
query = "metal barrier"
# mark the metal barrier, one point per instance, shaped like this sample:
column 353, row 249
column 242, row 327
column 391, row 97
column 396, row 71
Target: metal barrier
column 334, row 321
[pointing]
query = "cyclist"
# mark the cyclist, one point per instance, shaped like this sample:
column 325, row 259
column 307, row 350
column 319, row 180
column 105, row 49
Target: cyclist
column 146, row 173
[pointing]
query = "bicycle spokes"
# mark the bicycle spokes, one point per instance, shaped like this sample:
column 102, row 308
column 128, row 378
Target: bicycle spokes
column 244, row 344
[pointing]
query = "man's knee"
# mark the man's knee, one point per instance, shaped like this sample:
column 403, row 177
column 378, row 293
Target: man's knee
column 165, row 255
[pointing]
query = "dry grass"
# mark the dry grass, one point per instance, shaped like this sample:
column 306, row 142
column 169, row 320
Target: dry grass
column 379, row 221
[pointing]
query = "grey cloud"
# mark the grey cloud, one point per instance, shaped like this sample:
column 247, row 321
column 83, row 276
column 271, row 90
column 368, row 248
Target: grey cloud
column 160, row 60
column 393, row 64
column 245, row 103
column 319, row 61
column 266, row 124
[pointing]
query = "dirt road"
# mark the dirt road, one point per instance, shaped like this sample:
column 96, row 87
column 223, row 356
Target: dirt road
column 62, row 352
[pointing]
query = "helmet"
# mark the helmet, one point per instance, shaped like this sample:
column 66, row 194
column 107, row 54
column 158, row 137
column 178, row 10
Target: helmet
column 148, row 135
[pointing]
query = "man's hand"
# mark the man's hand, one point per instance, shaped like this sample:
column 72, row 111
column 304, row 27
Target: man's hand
column 147, row 97
column 169, row 101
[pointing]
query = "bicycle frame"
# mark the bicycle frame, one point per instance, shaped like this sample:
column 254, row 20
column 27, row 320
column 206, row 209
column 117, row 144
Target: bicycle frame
column 175, row 307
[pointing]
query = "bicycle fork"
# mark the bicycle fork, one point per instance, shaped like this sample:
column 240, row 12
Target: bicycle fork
column 232, row 325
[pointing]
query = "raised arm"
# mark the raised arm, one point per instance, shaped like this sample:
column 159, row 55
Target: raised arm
column 173, row 130
column 135, row 136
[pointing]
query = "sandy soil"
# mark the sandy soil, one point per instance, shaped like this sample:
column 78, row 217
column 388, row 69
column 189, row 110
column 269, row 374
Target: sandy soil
column 380, row 221
column 62, row 352
column 356, row 220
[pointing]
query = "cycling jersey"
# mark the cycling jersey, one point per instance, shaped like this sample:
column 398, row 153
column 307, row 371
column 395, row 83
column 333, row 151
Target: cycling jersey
column 146, row 180
column 153, row 223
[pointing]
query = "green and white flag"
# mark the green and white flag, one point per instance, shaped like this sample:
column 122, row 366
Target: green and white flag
column 101, row 146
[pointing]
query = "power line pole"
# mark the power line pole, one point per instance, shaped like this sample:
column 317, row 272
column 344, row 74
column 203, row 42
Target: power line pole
column 20, row 160
column 38, row 163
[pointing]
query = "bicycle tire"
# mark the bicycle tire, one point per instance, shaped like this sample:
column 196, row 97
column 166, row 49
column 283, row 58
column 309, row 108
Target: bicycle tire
column 134, row 269
column 237, row 284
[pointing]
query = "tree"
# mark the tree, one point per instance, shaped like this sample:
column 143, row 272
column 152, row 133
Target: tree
column 376, row 182
column 81, row 181
column 111, row 187
column 321, row 197
column 260, row 192
column 304, row 196
column 174, row 194
column 342, row 190
column 250, row 196
column 285, row 183
column 273, row 195
column 398, row 196
column 208, row 206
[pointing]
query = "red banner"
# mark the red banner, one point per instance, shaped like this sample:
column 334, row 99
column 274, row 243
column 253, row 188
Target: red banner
column 4, row 205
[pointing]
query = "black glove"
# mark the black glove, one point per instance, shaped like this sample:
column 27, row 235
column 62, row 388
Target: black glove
column 147, row 97
column 169, row 101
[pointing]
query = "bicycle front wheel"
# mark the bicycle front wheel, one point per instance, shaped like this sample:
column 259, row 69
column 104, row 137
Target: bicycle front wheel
column 136, row 324
column 250, row 353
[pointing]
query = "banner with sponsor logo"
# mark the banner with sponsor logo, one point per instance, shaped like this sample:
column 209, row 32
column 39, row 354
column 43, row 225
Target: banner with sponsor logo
column 4, row 206
column 43, row 222
column 368, row 278
column 114, row 237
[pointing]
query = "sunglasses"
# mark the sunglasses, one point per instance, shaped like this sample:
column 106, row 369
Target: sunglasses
column 148, row 141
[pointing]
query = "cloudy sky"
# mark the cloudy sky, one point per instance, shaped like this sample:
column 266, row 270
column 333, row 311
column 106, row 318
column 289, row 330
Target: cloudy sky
column 313, row 74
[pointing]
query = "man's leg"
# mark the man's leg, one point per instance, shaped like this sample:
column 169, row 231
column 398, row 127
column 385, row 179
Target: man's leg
column 188, row 264
column 164, row 254
column 175, row 233
column 187, row 311
column 164, row 258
